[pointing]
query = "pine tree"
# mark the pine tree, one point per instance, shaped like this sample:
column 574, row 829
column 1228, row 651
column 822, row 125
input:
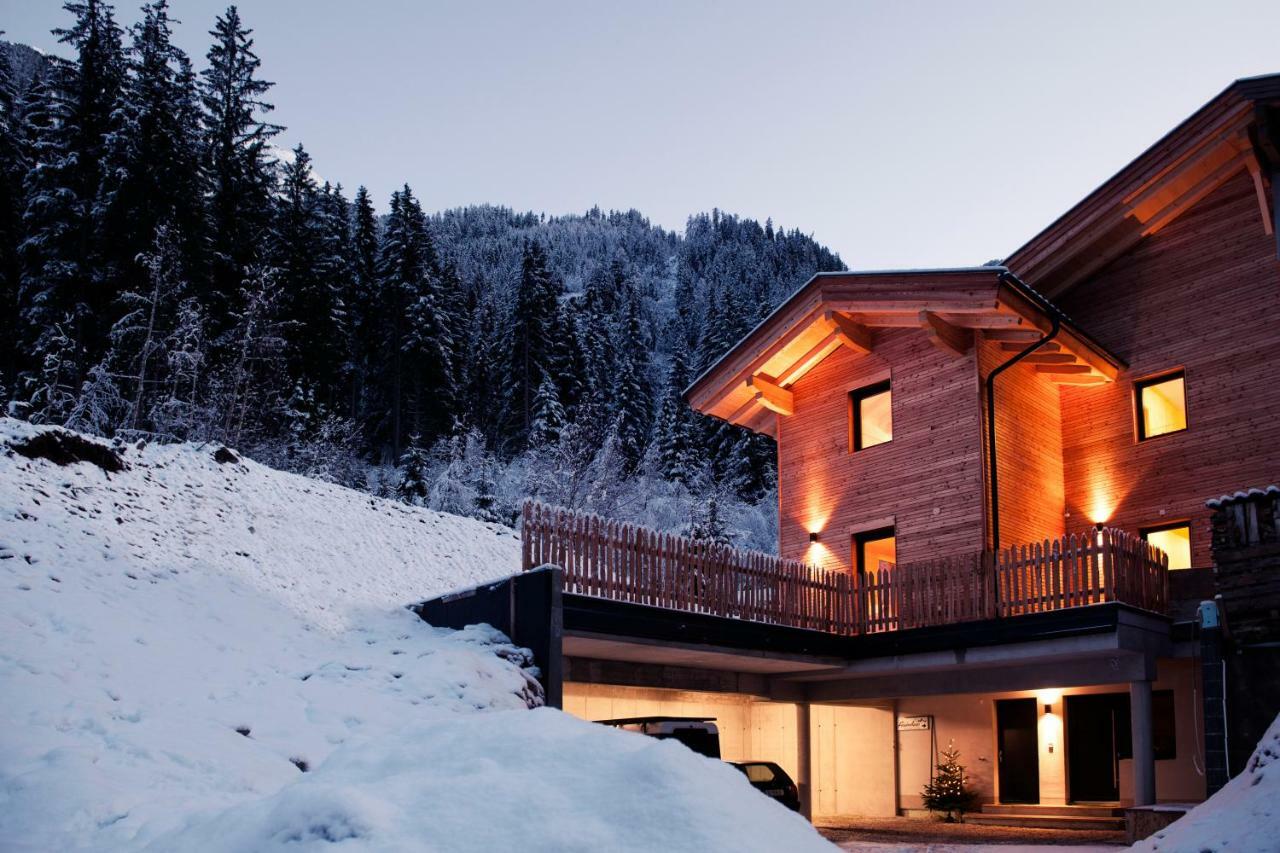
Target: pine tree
column 531, row 339
column 239, row 174
column 63, row 283
column 632, row 397
column 675, row 433
column 414, row 486
column 308, row 266
column 949, row 791
column 153, row 154
column 548, row 414
column 13, row 167
column 138, row 339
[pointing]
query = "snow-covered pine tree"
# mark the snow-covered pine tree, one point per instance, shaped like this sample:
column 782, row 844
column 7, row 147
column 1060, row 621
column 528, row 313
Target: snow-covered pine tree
column 178, row 411
column 531, row 339
column 675, row 434
column 303, row 257
column 13, row 167
column 632, row 398
column 152, row 174
column 414, row 486
column 415, row 362
column 949, row 792
column 137, row 358
column 239, row 172
column 250, row 385
column 548, row 414
column 63, row 281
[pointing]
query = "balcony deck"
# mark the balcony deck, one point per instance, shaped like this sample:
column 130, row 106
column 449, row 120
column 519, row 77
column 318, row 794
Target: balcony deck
column 607, row 559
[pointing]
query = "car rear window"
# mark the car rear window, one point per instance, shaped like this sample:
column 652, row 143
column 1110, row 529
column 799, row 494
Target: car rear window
column 759, row 772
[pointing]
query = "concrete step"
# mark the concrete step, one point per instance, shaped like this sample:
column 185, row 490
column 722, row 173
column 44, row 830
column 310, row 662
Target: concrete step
column 1047, row 821
column 1091, row 810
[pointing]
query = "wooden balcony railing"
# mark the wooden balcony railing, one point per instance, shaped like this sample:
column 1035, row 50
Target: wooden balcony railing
column 623, row 562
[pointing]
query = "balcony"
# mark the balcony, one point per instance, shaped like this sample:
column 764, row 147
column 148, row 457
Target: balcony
column 608, row 559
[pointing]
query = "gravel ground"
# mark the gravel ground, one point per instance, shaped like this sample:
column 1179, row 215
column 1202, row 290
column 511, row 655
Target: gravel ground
column 909, row 834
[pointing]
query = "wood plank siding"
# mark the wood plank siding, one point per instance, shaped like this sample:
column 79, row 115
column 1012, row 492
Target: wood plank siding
column 928, row 480
column 1028, row 449
column 1203, row 294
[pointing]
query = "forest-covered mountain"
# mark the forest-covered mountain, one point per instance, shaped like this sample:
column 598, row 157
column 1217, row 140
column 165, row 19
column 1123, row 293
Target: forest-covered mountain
column 167, row 273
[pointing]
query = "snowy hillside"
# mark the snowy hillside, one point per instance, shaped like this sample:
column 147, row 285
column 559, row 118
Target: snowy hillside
column 180, row 640
column 1244, row 817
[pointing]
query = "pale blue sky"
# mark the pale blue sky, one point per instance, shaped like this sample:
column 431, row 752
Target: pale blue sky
column 899, row 134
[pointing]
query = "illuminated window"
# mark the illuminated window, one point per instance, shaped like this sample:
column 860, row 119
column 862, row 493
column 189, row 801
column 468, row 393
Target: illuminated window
column 1174, row 540
column 875, row 550
column 1162, row 405
column 871, row 410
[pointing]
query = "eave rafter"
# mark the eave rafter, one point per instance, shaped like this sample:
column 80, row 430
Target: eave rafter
column 753, row 387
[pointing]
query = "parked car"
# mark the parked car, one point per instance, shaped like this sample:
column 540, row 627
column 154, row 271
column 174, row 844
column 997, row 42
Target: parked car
column 772, row 781
column 698, row 733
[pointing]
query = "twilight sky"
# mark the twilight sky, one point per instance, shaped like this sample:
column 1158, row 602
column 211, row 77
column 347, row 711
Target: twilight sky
column 904, row 134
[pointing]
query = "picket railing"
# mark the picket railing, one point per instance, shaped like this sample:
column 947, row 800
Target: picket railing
column 624, row 562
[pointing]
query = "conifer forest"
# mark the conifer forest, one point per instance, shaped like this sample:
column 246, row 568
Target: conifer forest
column 169, row 272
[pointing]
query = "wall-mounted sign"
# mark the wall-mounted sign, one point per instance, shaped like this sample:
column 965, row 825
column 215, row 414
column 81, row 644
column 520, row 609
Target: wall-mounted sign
column 913, row 724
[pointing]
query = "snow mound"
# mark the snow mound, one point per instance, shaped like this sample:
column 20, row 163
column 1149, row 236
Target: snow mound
column 198, row 655
column 1244, row 817
column 531, row 781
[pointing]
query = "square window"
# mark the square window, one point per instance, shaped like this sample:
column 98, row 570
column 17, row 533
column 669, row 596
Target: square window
column 1174, row 540
column 1162, row 405
column 875, row 550
column 871, row 410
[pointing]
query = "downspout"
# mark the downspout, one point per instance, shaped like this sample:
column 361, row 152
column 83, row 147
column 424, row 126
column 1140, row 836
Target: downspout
column 1055, row 317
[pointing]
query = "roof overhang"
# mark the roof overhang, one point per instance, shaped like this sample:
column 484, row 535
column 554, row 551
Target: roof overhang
column 751, row 384
column 1236, row 132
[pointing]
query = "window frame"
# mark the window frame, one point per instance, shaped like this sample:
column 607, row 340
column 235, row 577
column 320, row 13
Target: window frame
column 1170, row 525
column 862, row 537
column 1140, row 385
column 856, row 396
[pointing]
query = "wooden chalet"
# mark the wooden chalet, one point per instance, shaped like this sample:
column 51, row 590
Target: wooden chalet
column 992, row 520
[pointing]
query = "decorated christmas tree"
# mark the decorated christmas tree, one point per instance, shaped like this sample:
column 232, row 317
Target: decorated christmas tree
column 949, row 791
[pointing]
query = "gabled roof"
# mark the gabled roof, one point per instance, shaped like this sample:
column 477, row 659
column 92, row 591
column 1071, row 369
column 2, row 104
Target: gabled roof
column 751, row 383
column 1225, row 137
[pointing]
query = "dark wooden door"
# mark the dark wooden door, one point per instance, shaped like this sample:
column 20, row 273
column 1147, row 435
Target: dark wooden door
column 1018, row 757
column 1097, row 738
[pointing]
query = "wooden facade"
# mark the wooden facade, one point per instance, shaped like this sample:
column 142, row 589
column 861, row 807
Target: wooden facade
column 1170, row 265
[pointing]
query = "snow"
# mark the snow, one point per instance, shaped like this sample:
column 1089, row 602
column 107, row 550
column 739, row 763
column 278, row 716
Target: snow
column 1243, row 817
column 180, row 639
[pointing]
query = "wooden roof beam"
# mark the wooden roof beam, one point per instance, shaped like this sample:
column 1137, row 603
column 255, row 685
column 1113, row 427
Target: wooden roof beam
column 1016, row 338
column 772, row 396
column 1063, row 368
column 1078, row 379
column 853, row 335
column 945, row 336
column 1039, row 357
column 1208, row 184
column 1021, row 344
column 862, row 305
column 811, row 359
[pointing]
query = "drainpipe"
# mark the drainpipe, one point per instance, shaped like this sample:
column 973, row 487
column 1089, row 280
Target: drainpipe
column 1056, row 318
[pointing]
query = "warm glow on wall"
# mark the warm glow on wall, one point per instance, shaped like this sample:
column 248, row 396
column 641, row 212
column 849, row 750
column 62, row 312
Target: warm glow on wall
column 1048, row 697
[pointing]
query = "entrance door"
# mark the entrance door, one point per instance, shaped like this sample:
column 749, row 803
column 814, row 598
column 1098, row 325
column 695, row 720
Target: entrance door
column 1097, row 738
column 1019, row 758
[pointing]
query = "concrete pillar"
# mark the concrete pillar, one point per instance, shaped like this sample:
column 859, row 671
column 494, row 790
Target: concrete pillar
column 1144, row 757
column 804, row 762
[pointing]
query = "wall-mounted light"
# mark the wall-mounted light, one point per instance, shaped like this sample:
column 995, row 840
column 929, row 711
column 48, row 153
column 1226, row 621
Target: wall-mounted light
column 813, row 536
column 1048, row 709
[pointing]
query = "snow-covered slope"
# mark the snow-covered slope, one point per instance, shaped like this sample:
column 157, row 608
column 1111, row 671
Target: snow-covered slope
column 179, row 639
column 1244, row 817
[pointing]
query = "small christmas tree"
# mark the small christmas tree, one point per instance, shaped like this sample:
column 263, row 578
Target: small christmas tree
column 949, row 791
